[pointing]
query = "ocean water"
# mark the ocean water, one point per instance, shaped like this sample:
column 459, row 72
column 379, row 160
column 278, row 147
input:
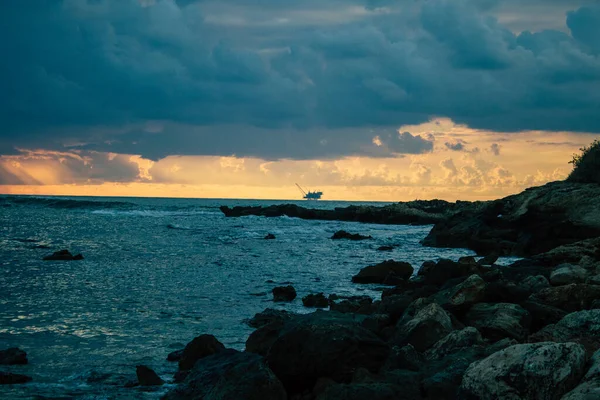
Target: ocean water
column 157, row 273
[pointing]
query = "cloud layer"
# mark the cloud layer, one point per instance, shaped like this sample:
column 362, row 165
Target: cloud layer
column 300, row 80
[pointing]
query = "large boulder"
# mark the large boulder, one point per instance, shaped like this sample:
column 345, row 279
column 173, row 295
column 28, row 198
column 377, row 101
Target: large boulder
column 13, row 356
column 566, row 274
column 455, row 341
column 8, row 378
column 540, row 371
column 589, row 387
column 444, row 270
column 581, row 327
column 381, row 272
column 430, row 324
column 394, row 306
column 324, row 344
column 573, row 297
column 353, row 304
column 284, row 293
column 267, row 316
column 315, row 300
column 499, row 321
column 542, row 314
column 202, row 346
column 230, row 375
column 147, row 377
column 463, row 295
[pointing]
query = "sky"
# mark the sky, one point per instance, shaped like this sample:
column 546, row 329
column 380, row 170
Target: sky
column 388, row 100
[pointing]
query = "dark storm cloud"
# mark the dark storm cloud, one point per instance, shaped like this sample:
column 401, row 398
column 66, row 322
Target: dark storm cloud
column 458, row 146
column 297, row 79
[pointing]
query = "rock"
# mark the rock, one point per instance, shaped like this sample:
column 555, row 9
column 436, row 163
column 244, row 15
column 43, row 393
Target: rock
column 147, row 377
column 583, row 253
column 542, row 315
column 536, row 283
column 488, row 260
column 350, row 236
column 385, row 248
column 175, row 355
column 430, row 324
column 8, row 378
column 394, row 306
column 376, row 323
column 267, row 316
column 463, row 295
column 63, row 255
column 13, row 356
column 593, row 280
column 284, row 293
column 202, row 346
column 503, row 291
column 405, row 357
column 531, row 222
column 454, row 342
column 354, row 304
column 409, row 381
column 261, row 340
column 315, row 300
column 269, row 236
column 544, row 371
column 324, row 344
column 499, row 321
column 380, row 272
column 580, row 327
column 230, row 375
column 566, row 274
column 444, row 270
column 589, row 387
column 361, row 391
column 573, row 297
column 321, row 385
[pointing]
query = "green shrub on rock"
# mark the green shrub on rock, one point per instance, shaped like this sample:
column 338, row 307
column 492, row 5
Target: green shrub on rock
column 586, row 166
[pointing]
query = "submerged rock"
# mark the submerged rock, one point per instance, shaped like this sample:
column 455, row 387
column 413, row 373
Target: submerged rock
column 315, row 300
column 269, row 236
column 284, row 293
column 381, row 272
column 349, row 236
column 231, row 375
column 8, row 378
column 13, row 356
column 147, row 377
column 202, row 346
column 385, row 248
column 540, row 371
column 63, row 255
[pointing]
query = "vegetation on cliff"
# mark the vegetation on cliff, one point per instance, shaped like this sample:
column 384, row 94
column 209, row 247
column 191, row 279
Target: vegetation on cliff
column 586, row 166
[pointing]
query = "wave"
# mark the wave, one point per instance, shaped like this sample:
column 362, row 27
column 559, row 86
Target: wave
column 53, row 202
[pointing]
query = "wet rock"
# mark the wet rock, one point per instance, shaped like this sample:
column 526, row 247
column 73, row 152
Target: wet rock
column 463, row 295
column 589, row 387
column 315, row 300
column 453, row 342
column 536, row 283
column 542, row 315
column 444, row 270
column 284, row 293
column 63, row 255
column 202, row 346
column 581, row 327
column 499, row 321
column 147, row 377
column 376, row 323
column 379, row 273
column 349, row 236
column 385, row 248
column 267, row 316
column 573, row 297
column 269, row 236
column 488, row 260
column 430, row 324
column 544, row 371
column 394, row 306
column 261, row 340
column 8, row 378
column 503, row 291
column 361, row 391
column 405, row 357
column 175, row 355
column 230, row 375
column 324, row 344
column 353, row 304
column 566, row 274
column 13, row 356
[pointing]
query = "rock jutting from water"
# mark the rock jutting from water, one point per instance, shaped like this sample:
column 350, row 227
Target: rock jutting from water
column 63, row 255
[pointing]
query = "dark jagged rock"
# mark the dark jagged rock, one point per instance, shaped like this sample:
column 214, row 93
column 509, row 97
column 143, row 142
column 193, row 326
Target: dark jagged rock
column 444, row 270
column 532, row 222
column 360, row 391
column 526, row 371
column 414, row 212
column 574, row 297
column 464, row 295
column 429, row 324
column 175, row 355
column 565, row 274
column 349, row 236
column 589, row 387
column 542, row 314
column 573, row 253
column 284, row 293
column 269, row 236
column 581, row 327
column 63, row 255
column 202, row 346
column 488, row 260
column 381, row 272
column 13, row 356
column 323, row 344
column 8, row 378
column 353, row 304
column 147, row 377
column 267, row 316
column 385, row 248
column 453, row 342
column 315, row 300
column 499, row 321
column 230, row 374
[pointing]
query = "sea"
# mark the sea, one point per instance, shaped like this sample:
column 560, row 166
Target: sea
column 156, row 273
